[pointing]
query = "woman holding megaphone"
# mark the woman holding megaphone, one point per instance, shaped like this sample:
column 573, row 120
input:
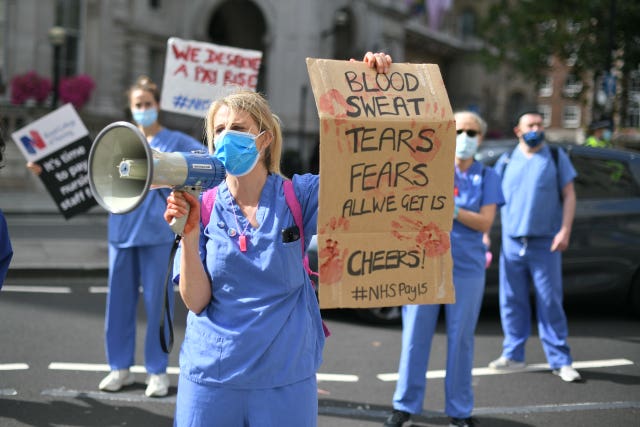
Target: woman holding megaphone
column 140, row 244
column 254, row 336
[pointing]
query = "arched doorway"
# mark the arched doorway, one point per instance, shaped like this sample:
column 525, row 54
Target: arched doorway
column 240, row 23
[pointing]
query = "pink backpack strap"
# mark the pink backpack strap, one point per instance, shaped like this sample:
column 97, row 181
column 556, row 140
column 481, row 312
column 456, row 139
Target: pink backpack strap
column 294, row 207
column 209, row 199
column 206, row 206
column 296, row 211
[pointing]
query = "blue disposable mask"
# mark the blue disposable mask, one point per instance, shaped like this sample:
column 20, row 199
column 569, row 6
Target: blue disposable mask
column 533, row 138
column 606, row 135
column 237, row 151
column 466, row 146
column 145, row 118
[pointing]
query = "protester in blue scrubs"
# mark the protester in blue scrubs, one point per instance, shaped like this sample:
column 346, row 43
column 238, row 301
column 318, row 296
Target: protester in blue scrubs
column 139, row 248
column 477, row 194
column 6, row 251
column 254, row 337
column 536, row 226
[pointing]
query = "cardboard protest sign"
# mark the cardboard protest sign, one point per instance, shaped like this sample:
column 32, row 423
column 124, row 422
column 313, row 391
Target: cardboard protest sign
column 196, row 73
column 59, row 142
column 387, row 145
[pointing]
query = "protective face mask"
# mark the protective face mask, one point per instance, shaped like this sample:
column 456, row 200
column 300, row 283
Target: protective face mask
column 145, row 118
column 606, row 135
column 237, row 151
column 466, row 146
column 533, row 138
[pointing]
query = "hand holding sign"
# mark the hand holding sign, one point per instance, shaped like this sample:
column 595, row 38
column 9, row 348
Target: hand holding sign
column 56, row 148
column 387, row 141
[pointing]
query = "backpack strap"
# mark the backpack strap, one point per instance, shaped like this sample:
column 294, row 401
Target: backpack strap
column 294, row 207
column 554, row 154
column 296, row 211
column 208, row 200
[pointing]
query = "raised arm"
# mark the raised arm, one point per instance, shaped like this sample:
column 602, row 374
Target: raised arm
column 195, row 286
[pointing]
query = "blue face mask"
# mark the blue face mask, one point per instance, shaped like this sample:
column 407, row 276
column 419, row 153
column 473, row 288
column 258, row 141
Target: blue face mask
column 237, row 151
column 606, row 135
column 533, row 138
column 145, row 118
column 466, row 146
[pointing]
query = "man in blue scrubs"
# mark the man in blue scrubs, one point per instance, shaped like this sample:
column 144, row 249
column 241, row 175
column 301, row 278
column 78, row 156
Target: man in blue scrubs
column 536, row 227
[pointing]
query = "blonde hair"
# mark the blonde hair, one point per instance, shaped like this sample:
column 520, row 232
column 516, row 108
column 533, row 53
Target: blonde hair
column 258, row 108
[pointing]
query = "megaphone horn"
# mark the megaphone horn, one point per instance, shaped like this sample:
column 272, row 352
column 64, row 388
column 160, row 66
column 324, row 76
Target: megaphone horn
column 122, row 168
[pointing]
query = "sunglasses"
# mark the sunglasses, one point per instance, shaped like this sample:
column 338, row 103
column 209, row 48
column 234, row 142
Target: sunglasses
column 469, row 132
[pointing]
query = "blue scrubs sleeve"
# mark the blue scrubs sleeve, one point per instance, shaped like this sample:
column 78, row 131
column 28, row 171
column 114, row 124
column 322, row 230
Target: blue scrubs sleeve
column 6, row 251
column 491, row 189
column 566, row 171
column 306, row 188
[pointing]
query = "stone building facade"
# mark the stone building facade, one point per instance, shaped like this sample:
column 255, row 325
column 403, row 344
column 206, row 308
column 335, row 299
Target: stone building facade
column 114, row 41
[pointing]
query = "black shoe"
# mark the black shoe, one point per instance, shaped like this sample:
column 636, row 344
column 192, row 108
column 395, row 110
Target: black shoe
column 462, row 422
column 397, row 418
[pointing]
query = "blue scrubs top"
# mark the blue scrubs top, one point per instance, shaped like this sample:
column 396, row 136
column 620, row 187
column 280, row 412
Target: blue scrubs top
column 262, row 328
column 532, row 187
column 145, row 225
column 476, row 187
column 6, row 251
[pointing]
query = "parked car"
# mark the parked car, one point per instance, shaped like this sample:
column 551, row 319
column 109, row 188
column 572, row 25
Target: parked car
column 602, row 262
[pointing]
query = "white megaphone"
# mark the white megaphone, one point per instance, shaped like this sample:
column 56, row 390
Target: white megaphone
column 122, row 168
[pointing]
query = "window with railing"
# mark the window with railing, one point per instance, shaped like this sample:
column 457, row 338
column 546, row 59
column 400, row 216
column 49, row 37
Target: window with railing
column 545, row 112
column 633, row 103
column 571, row 115
column 68, row 15
column 546, row 87
column 3, row 24
column 572, row 86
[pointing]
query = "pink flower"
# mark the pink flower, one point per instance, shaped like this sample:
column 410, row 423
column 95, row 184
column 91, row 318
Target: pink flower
column 76, row 89
column 29, row 86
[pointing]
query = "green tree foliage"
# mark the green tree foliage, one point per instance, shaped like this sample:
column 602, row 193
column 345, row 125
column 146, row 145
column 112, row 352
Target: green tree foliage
column 525, row 33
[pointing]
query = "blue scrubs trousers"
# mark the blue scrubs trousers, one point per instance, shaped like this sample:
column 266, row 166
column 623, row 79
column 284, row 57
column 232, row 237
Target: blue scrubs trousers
column 524, row 260
column 129, row 268
column 294, row 405
column 418, row 327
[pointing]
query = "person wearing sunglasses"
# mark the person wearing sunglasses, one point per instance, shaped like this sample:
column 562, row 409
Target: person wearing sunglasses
column 477, row 195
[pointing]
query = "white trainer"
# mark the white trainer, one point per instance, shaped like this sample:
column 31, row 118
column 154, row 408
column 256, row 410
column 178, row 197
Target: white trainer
column 158, row 385
column 502, row 363
column 567, row 373
column 116, row 380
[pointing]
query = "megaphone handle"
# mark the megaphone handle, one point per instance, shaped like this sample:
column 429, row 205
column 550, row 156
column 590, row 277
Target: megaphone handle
column 177, row 224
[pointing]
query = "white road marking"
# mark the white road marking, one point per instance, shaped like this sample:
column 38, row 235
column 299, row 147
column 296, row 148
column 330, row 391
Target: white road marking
column 13, row 366
column 137, row 369
column 529, row 368
column 98, row 367
column 337, row 378
column 37, row 289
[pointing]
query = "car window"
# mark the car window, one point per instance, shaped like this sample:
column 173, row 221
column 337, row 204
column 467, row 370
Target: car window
column 603, row 178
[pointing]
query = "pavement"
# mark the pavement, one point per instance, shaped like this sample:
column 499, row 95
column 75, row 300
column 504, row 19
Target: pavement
column 45, row 243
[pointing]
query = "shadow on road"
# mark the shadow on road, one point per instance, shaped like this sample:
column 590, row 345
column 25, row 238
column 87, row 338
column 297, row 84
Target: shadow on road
column 378, row 413
column 84, row 411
